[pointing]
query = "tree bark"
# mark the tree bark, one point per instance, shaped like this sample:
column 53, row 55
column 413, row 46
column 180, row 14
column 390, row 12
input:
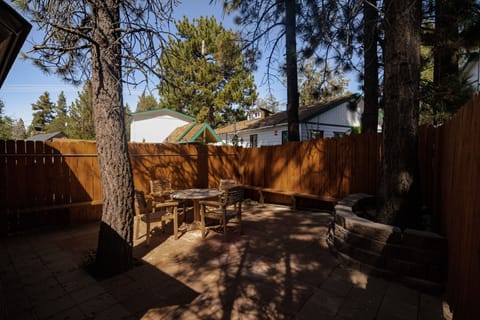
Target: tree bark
column 292, row 72
column 370, row 61
column 399, row 192
column 115, row 240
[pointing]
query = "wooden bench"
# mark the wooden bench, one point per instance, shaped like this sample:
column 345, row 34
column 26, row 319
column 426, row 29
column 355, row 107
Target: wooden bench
column 57, row 206
column 293, row 195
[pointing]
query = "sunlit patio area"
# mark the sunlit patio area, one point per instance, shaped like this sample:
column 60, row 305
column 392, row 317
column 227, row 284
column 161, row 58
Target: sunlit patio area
column 280, row 268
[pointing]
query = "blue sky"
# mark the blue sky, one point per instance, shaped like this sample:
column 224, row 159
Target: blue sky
column 25, row 83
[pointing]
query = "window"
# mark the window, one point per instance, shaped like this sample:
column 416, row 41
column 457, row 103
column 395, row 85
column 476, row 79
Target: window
column 284, row 136
column 253, row 140
column 338, row 134
column 316, row 134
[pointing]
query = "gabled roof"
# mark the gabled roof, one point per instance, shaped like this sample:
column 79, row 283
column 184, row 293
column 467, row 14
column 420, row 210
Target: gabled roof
column 194, row 133
column 47, row 136
column 304, row 114
column 162, row 111
column 13, row 32
column 240, row 125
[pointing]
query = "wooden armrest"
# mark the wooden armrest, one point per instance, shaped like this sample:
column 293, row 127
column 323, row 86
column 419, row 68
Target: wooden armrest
column 165, row 204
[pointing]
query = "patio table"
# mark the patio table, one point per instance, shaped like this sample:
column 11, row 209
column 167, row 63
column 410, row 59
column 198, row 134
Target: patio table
column 196, row 195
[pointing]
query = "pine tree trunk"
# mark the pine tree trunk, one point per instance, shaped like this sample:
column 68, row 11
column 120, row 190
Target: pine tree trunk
column 114, row 252
column 370, row 61
column 402, row 69
column 292, row 73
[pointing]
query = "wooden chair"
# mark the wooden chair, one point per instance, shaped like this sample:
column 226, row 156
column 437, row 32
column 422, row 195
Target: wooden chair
column 229, row 206
column 154, row 211
column 226, row 184
column 161, row 191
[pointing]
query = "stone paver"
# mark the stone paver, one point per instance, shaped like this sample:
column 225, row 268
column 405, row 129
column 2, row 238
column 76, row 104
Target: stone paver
column 280, row 268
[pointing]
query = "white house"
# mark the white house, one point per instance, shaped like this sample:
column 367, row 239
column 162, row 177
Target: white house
column 334, row 118
column 471, row 71
column 156, row 125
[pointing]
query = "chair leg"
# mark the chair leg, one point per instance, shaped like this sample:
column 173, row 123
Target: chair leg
column 202, row 221
column 175, row 222
column 184, row 212
column 239, row 217
column 148, row 232
column 224, row 222
column 137, row 226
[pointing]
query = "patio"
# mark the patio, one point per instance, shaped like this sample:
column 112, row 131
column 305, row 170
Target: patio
column 280, row 268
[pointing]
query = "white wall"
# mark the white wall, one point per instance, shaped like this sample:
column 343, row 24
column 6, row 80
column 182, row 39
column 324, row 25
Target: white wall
column 154, row 129
column 343, row 118
column 265, row 136
column 472, row 73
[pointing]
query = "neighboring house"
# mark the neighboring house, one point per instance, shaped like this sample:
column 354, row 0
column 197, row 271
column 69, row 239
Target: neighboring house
column 335, row 118
column 194, row 133
column 471, row 71
column 47, row 136
column 156, row 125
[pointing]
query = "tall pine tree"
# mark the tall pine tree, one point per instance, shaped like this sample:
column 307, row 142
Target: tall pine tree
column 60, row 121
column 80, row 123
column 146, row 102
column 110, row 42
column 43, row 113
column 205, row 74
column 320, row 84
column 5, row 124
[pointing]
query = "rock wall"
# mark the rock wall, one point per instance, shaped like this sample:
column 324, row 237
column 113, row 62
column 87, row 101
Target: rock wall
column 418, row 258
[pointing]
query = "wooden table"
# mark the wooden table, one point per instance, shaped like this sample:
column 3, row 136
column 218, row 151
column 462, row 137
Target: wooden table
column 196, row 195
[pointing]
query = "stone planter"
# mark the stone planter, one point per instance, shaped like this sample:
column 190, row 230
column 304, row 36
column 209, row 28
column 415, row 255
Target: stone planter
column 417, row 258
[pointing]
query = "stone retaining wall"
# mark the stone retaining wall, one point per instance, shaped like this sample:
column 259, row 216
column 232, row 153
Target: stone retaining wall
column 417, row 257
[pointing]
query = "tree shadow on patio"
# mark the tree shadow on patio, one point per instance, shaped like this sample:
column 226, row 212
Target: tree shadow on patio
column 269, row 272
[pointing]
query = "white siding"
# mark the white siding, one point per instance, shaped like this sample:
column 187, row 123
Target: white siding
column 341, row 119
column 154, row 129
column 265, row 136
column 337, row 120
column 472, row 74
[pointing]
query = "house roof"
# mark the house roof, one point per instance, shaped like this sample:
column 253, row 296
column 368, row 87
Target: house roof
column 193, row 133
column 47, row 136
column 13, row 32
column 240, row 125
column 304, row 114
column 162, row 111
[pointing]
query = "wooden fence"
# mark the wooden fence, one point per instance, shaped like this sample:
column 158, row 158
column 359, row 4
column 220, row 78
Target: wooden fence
column 457, row 162
column 61, row 180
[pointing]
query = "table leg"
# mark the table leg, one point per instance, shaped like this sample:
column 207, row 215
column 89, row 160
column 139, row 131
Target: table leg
column 196, row 210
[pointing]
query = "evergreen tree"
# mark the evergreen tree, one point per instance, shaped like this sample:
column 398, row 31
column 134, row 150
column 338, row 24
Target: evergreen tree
column 60, row 120
column 399, row 184
column 146, row 102
column 18, row 130
column 450, row 35
column 109, row 42
column 277, row 23
column 5, row 124
column 80, row 123
column 205, row 74
column 43, row 113
column 320, row 85
column 270, row 103
column 371, row 66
